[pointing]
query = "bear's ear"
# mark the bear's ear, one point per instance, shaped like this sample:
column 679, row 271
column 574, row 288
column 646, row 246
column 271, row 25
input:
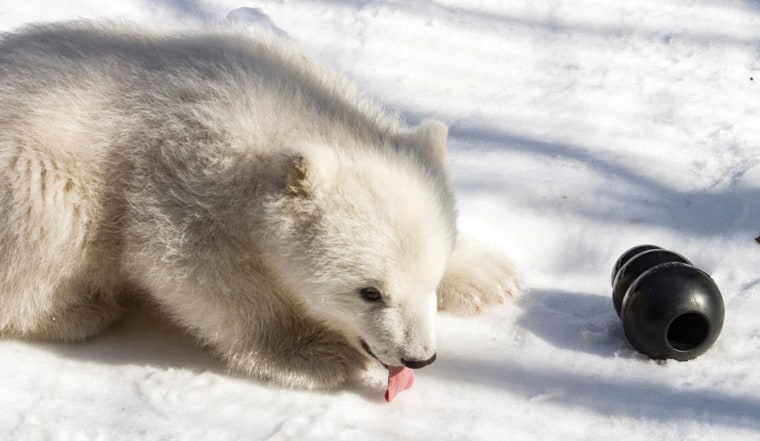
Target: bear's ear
column 432, row 136
column 309, row 168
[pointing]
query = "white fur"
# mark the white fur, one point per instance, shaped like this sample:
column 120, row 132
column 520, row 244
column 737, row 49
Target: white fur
column 249, row 192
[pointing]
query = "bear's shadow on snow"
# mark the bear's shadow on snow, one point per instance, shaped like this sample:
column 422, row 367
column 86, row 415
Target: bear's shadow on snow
column 143, row 337
column 575, row 321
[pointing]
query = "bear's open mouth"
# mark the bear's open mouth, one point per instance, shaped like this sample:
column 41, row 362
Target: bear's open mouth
column 369, row 351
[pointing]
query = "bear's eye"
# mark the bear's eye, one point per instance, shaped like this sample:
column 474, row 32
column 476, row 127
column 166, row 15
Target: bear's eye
column 370, row 294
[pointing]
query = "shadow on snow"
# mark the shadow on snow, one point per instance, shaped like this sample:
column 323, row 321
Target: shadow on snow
column 702, row 212
column 480, row 20
column 609, row 396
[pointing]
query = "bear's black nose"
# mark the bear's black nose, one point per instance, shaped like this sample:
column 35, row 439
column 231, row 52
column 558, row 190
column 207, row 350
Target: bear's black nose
column 416, row 364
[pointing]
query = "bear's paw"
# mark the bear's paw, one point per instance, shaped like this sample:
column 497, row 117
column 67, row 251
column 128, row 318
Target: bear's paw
column 477, row 278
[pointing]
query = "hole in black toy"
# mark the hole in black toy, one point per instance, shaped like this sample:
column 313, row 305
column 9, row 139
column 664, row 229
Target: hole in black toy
column 688, row 331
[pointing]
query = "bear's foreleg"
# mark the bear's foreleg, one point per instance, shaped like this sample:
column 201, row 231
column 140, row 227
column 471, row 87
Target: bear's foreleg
column 294, row 351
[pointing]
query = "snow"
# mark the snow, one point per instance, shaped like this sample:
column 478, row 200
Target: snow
column 577, row 130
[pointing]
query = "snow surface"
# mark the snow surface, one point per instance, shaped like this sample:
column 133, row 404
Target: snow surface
column 578, row 129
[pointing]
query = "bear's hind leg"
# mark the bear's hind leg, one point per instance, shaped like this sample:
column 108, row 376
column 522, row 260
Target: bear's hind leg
column 79, row 321
column 58, row 251
column 74, row 322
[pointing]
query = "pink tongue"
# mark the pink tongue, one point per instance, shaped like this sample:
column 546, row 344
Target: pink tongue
column 400, row 378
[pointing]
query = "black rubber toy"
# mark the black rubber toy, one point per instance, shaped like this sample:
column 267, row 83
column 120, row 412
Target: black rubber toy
column 669, row 308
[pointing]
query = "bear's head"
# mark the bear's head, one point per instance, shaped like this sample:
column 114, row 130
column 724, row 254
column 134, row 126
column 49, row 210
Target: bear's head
column 361, row 238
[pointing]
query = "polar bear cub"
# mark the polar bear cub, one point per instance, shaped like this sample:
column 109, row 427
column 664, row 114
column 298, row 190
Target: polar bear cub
column 294, row 227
